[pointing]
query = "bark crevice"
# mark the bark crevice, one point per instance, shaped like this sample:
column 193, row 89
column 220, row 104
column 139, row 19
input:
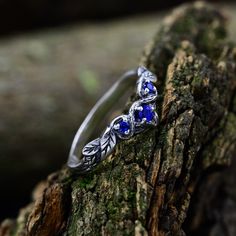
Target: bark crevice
column 158, row 182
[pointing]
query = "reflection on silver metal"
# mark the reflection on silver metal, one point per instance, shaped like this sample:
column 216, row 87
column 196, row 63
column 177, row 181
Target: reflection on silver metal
column 142, row 114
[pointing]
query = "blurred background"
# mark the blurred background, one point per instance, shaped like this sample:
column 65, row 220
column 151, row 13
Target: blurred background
column 56, row 59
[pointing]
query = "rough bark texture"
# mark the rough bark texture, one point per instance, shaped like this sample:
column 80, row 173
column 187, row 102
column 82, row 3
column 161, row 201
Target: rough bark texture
column 174, row 179
column 49, row 80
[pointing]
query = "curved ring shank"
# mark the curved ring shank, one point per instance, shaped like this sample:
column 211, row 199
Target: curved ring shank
column 96, row 115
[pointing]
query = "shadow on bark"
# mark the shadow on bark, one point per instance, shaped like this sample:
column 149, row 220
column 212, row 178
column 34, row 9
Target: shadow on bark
column 174, row 179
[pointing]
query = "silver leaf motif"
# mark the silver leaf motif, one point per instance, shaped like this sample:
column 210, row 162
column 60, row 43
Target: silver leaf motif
column 108, row 142
column 141, row 70
column 91, row 148
column 142, row 114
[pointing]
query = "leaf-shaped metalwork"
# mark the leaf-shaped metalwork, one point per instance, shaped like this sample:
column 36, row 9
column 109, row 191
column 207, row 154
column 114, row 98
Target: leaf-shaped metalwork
column 141, row 70
column 122, row 127
column 108, row 142
column 91, row 148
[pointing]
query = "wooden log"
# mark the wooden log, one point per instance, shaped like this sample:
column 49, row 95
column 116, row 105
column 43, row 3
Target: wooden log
column 49, row 80
column 164, row 181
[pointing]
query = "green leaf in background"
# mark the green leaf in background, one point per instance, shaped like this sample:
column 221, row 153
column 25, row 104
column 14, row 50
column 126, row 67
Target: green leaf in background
column 89, row 81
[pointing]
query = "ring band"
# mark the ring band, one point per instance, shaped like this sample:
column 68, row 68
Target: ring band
column 142, row 115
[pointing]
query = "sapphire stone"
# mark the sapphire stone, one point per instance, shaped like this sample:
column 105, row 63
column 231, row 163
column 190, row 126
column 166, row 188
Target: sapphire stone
column 150, row 87
column 124, row 126
column 146, row 112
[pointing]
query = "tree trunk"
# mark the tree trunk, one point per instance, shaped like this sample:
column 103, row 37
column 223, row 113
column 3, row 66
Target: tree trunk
column 175, row 179
column 46, row 90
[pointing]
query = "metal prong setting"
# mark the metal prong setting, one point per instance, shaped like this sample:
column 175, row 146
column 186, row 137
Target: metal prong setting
column 116, row 126
column 141, row 114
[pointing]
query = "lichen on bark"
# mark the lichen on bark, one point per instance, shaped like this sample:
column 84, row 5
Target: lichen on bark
column 152, row 183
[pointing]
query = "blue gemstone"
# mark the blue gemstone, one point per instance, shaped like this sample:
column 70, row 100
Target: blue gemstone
column 124, row 127
column 150, row 87
column 146, row 112
column 138, row 115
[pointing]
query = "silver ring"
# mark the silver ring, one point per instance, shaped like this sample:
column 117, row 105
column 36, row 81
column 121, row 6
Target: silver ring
column 142, row 115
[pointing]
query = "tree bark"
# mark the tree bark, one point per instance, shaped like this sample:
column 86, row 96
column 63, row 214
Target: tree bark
column 46, row 90
column 175, row 179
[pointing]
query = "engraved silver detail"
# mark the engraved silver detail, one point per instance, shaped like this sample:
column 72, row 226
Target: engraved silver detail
column 98, row 149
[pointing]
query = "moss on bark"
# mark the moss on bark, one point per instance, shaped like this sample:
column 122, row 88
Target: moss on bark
column 151, row 184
